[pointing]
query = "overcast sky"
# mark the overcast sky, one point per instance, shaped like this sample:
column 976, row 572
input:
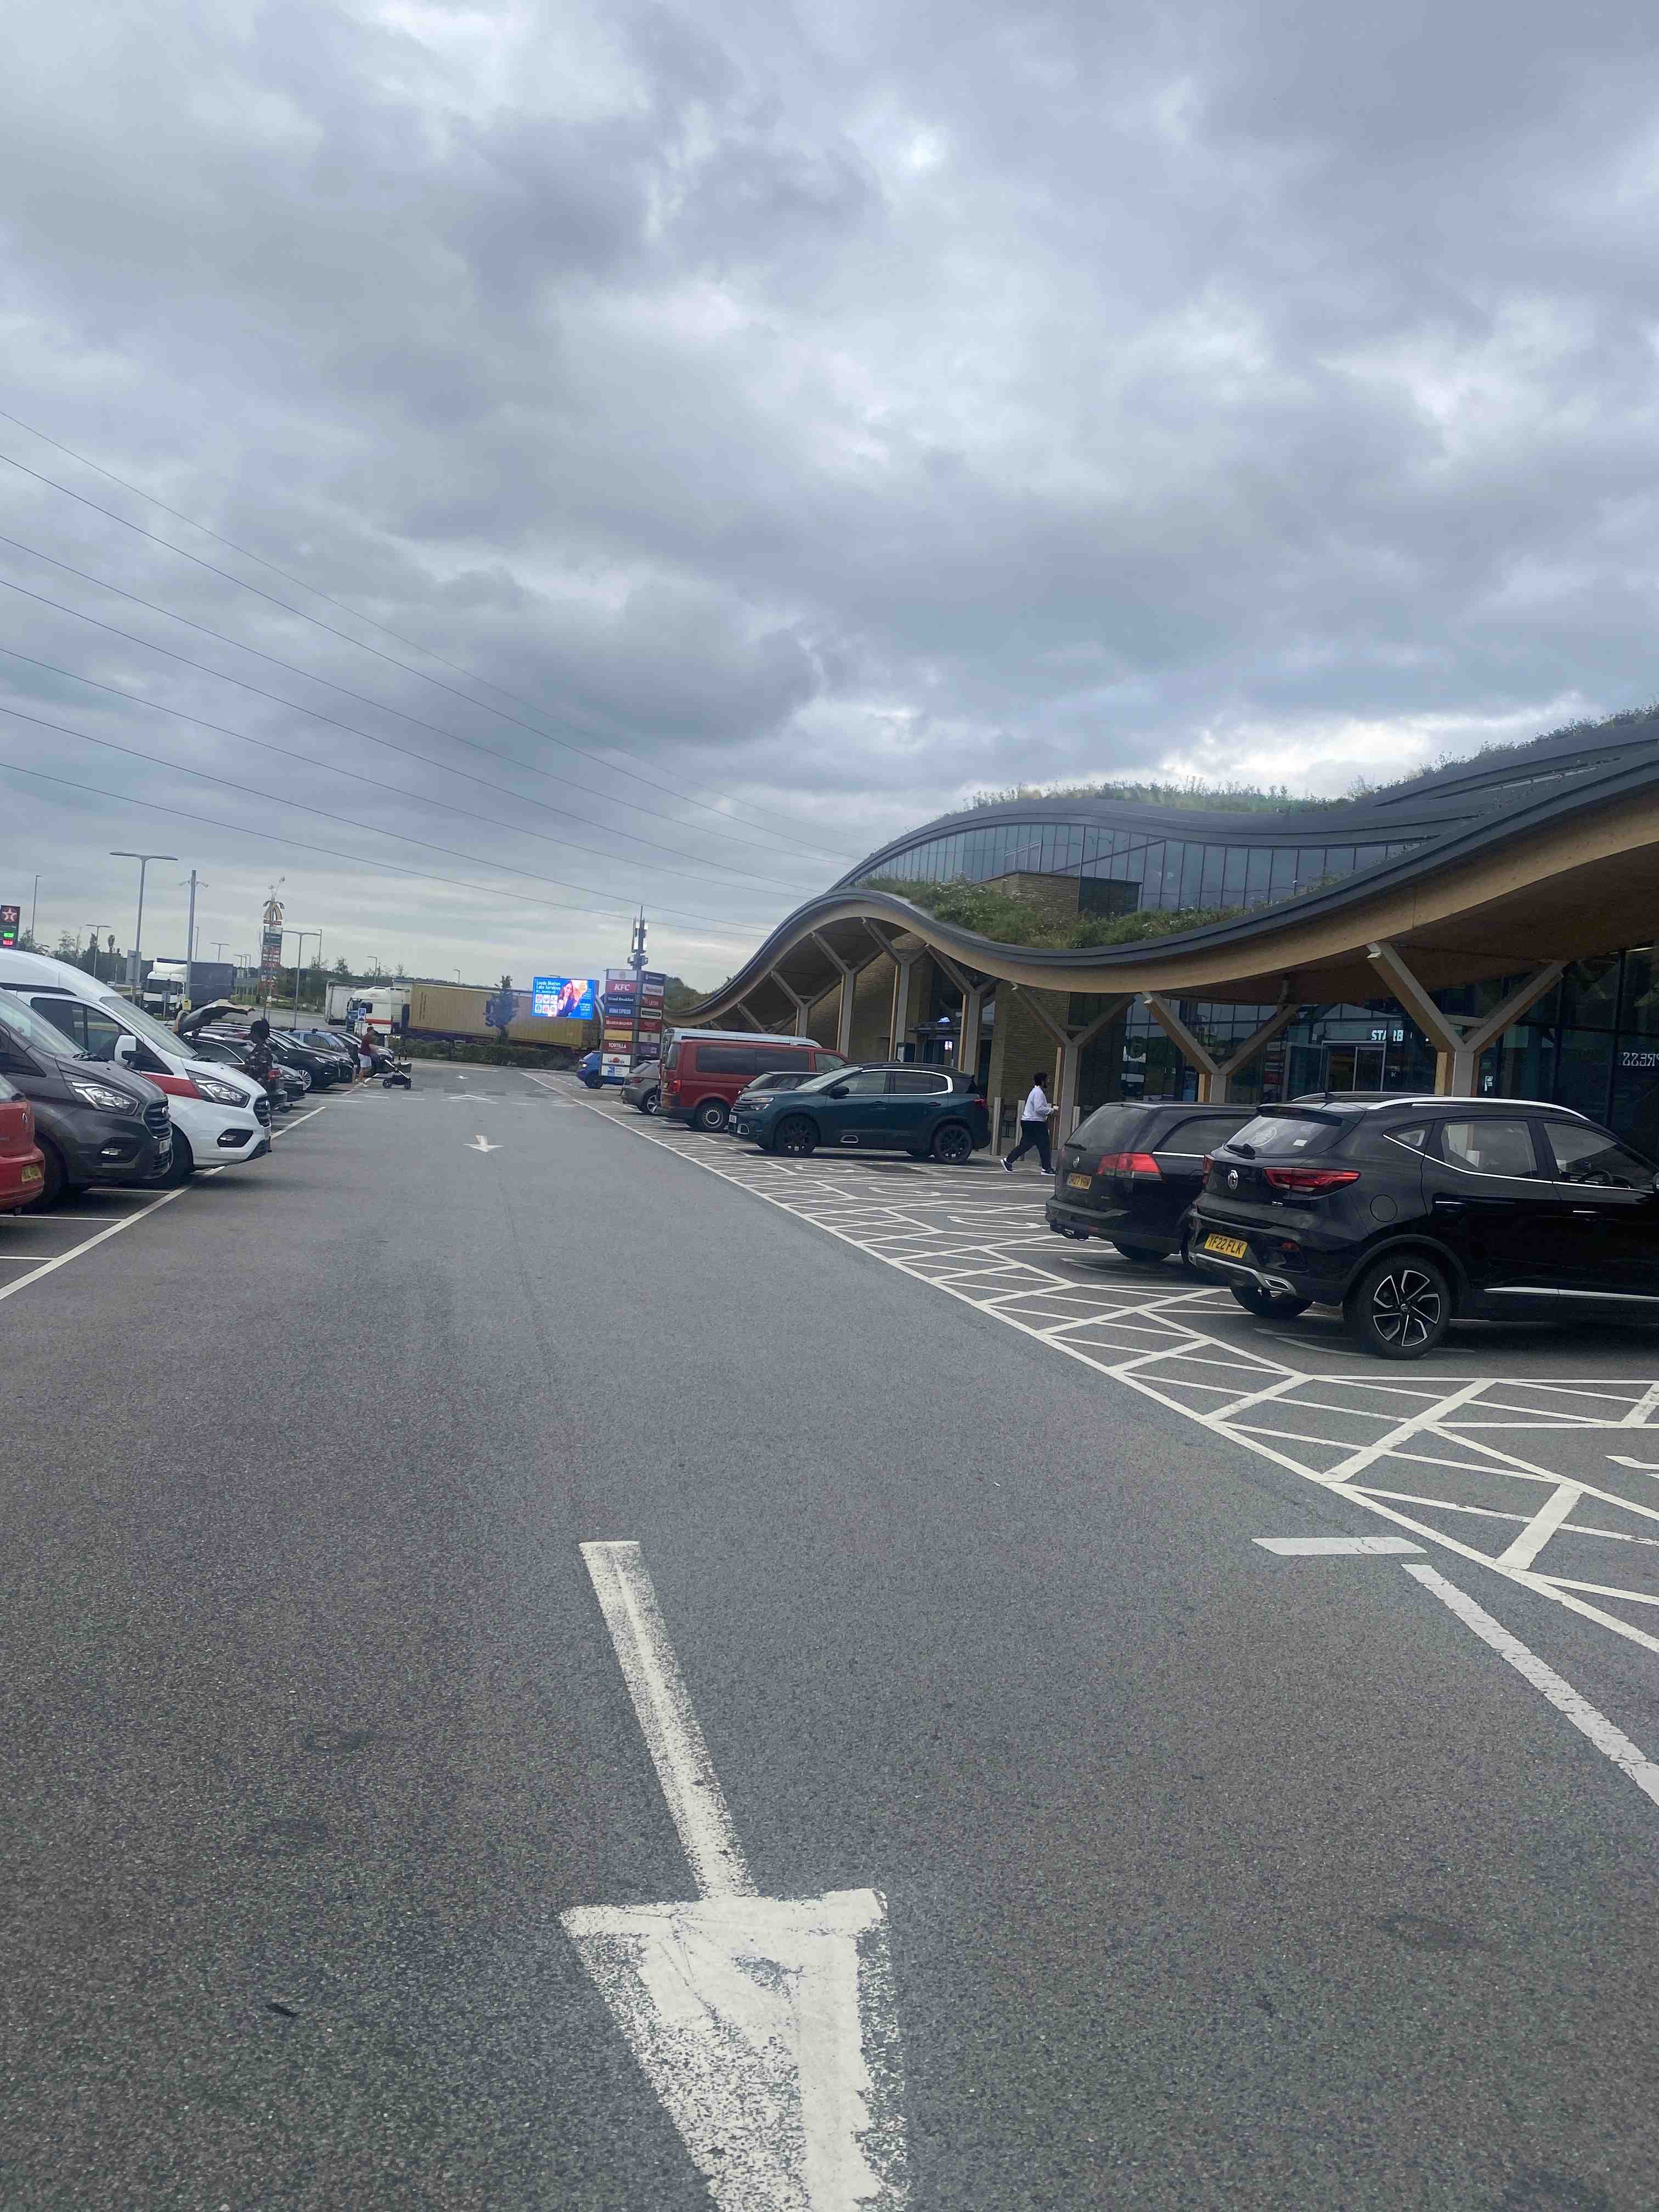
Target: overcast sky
column 816, row 414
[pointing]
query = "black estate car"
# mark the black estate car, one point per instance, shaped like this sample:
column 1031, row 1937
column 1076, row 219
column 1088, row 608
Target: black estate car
column 1408, row 1213
column 1129, row 1172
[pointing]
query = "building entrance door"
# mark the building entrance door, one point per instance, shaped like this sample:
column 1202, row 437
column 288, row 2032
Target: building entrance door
column 1333, row 1067
column 1353, row 1066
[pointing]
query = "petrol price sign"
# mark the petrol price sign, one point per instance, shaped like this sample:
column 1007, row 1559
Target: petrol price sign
column 11, row 921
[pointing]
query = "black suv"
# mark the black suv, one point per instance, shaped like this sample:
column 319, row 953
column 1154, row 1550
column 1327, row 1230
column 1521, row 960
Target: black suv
column 1408, row 1213
column 1129, row 1172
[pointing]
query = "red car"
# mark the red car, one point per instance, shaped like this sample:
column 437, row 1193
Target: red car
column 22, row 1169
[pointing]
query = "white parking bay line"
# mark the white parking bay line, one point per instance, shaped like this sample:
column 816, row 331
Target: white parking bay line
column 46, row 1267
column 1333, row 1548
column 292, row 1126
column 1610, row 1742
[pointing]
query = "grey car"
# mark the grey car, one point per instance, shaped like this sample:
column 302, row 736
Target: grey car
column 641, row 1088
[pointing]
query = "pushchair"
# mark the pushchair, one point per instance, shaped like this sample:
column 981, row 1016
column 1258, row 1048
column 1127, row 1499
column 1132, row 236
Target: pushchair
column 399, row 1072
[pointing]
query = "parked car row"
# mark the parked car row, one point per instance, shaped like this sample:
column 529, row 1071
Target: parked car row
column 704, row 1072
column 93, row 1090
column 305, row 1059
column 1407, row 1214
column 117, row 1097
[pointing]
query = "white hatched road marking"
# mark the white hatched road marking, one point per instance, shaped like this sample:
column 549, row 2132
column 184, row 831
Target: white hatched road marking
column 1610, row 1742
column 1145, row 1333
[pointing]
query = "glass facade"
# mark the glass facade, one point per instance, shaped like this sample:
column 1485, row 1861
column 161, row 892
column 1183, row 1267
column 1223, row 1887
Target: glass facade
column 1592, row 1044
column 1154, row 871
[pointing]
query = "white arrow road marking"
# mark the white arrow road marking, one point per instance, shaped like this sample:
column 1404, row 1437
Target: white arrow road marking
column 766, row 2025
column 482, row 1143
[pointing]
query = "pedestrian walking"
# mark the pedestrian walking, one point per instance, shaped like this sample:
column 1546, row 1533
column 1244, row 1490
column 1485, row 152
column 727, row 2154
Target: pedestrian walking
column 1033, row 1126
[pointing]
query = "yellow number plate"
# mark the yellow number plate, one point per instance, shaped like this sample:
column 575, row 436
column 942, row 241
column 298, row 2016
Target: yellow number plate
column 33, row 1175
column 1080, row 1183
column 1230, row 1247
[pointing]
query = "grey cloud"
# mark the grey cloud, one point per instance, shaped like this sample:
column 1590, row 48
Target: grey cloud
column 819, row 415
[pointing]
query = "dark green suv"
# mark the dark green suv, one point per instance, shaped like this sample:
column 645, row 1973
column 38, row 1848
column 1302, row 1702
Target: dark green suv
column 930, row 1112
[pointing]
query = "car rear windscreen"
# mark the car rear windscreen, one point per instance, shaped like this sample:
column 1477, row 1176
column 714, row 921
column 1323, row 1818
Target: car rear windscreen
column 1109, row 1129
column 1287, row 1132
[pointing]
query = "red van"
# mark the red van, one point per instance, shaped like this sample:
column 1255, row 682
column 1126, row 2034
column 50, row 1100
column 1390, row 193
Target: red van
column 703, row 1070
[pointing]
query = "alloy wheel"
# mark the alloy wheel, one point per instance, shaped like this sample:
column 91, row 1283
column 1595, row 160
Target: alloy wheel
column 1405, row 1307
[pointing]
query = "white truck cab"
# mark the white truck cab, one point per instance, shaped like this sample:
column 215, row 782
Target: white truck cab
column 221, row 1117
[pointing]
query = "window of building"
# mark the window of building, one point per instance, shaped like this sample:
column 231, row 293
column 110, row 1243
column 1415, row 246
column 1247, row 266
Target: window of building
column 1582, row 1066
column 1589, row 992
column 1640, row 996
column 1310, row 866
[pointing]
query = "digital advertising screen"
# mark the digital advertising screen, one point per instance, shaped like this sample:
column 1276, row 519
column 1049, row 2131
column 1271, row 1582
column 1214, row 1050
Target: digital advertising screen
column 564, row 998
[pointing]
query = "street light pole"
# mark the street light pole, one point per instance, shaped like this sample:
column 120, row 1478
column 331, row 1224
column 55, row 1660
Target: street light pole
column 143, row 861
column 190, row 939
column 302, row 934
column 34, row 908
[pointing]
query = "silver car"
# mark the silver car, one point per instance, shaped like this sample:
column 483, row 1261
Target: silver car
column 640, row 1089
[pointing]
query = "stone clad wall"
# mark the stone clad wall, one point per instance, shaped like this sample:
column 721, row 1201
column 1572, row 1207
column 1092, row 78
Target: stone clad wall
column 1021, row 1044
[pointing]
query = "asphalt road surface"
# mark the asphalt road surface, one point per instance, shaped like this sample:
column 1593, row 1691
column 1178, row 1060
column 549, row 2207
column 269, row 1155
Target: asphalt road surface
column 341, row 1780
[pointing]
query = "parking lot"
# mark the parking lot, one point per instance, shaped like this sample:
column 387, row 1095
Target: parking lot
column 1006, row 1592
column 1531, row 1451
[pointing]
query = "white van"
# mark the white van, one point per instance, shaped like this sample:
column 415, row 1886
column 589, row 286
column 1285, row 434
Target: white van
column 220, row 1117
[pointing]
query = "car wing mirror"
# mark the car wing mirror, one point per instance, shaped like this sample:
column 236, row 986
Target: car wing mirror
column 126, row 1051
column 838, row 1091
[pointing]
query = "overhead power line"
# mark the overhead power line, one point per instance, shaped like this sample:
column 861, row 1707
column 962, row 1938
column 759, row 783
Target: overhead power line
column 333, row 722
column 330, row 851
column 306, row 676
column 375, row 783
column 390, row 658
column 277, row 799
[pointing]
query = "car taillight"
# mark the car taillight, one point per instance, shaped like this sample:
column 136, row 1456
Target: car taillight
column 1130, row 1164
column 1310, row 1179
